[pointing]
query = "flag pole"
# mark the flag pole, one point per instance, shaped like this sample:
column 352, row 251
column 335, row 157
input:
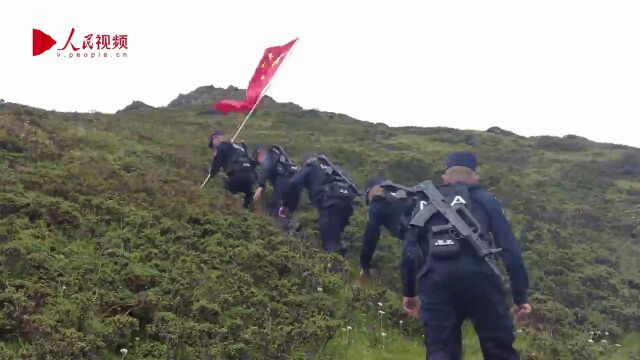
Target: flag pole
column 264, row 91
column 205, row 180
column 250, row 112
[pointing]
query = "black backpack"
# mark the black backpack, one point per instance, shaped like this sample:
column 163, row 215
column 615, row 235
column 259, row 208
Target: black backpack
column 239, row 160
column 435, row 238
column 284, row 165
column 336, row 184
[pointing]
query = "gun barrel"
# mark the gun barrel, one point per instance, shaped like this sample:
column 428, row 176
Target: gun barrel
column 494, row 267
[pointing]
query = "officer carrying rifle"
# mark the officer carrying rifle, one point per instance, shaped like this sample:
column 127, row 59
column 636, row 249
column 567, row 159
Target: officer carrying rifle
column 448, row 266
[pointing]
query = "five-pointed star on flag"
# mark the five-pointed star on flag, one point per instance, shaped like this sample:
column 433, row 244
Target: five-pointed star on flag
column 269, row 63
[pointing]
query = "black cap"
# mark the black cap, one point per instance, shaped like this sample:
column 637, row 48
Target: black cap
column 461, row 158
column 218, row 132
column 373, row 182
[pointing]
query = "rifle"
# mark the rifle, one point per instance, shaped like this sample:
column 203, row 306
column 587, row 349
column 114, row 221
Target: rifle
column 401, row 191
column 454, row 214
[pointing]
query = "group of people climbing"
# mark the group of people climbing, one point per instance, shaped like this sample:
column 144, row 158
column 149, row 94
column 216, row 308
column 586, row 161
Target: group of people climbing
column 446, row 279
column 329, row 188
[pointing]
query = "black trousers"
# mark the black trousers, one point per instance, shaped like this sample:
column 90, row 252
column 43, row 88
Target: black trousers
column 450, row 296
column 242, row 182
column 274, row 202
column 333, row 219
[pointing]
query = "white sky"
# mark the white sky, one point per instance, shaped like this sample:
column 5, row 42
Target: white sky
column 533, row 67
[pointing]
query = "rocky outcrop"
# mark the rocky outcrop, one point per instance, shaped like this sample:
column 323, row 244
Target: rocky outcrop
column 207, row 95
column 137, row 106
column 499, row 131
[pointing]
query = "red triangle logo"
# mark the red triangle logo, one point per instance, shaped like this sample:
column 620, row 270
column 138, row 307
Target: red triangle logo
column 41, row 42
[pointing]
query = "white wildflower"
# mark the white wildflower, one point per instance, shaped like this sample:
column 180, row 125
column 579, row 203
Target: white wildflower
column 401, row 322
column 349, row 328
column 603, row 341
column 381, row 312
column 590, row 341
column 384, row 334
column 618, row 345
column 124, row 352
column 319, row 289
column 379, row 304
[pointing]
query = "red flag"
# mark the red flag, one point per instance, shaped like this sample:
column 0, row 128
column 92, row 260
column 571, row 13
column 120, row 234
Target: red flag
column 226, row 106
column 269, row 64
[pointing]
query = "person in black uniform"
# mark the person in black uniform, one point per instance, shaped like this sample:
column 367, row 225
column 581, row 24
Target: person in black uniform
column 331, row 191
column 276, row 169
column 461, row 285
column 384, row 209
column 235, row 162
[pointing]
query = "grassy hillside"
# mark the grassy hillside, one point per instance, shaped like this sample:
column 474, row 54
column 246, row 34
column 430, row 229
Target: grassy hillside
column 107, row 243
